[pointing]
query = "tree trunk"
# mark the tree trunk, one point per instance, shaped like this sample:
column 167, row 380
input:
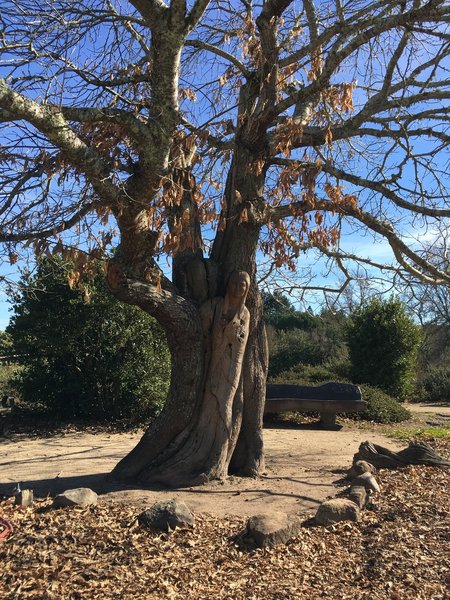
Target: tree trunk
column 213, row 414
column 185, row 341
column 235, row 248
column 195, row 436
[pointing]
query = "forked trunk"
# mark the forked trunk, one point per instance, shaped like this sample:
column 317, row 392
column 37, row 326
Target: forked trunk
column 212, row 420
column 194, row 438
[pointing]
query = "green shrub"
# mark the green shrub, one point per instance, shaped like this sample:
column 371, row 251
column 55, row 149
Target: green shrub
column 303, row 374
column 99, row 359
column 436, row 385
column 9, row 375
column 290, row 348
column 280, row 313
column 6, row 345
column 291, row 320
column 383, row 344
column 381, row 408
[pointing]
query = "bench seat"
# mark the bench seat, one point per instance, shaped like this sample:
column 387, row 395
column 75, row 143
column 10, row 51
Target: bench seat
column 328, row 399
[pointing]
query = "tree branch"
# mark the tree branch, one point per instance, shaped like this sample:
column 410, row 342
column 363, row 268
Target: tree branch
column 386, row 192
column 384, row 229
column 196, row 14
column 151, row 10
column 55, row 127
column 219, row 52
column 50, row 231
column 134, row 126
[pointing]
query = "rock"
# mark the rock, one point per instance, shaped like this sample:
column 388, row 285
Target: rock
column 166, row 515
column 335, row 510
column 368, row 481
column 76, row 497
column 24, row 498
column 359, row 467
column 271, row 528
column 358, row 494
column 8, row 401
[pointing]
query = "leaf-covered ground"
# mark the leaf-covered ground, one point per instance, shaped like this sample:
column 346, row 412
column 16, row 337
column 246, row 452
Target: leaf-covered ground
column 400, row 550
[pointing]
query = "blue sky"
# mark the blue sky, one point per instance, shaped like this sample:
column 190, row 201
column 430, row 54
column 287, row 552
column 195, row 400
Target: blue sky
column 350, row 241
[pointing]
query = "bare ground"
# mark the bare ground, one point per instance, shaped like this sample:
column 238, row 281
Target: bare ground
column 303, row 465
column 397, row 551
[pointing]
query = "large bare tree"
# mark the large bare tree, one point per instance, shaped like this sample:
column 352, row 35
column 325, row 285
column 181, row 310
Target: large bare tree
column 210, row 130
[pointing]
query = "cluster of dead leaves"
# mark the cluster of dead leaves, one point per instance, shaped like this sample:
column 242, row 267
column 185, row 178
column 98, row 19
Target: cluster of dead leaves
column 399, row 550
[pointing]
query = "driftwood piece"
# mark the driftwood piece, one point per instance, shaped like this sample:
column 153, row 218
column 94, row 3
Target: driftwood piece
column 415, row 454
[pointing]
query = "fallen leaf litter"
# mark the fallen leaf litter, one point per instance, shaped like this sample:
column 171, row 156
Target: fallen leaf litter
column 399, row 550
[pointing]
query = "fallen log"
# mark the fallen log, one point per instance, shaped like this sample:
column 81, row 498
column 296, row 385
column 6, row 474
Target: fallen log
column 418, row 453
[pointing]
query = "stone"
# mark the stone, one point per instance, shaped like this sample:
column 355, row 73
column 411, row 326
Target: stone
column 24, row 498
column 368, row 481
column 166, row 515
column 361, row 466
column 358, row 494
column 335, row 510
column 270, row 529
column 8, row 401
column 76, row 497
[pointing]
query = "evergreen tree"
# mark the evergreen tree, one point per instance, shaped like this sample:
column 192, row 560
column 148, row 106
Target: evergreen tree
column 383, row 344
column 85, row 354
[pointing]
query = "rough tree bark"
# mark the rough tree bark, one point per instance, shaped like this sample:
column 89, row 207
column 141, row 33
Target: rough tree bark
column 221, row 427
column 195, row 446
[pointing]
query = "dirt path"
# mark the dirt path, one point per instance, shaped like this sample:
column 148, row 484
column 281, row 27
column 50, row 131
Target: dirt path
column 302, row 465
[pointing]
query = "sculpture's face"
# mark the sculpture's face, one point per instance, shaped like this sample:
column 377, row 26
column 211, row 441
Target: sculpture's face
column 239, row 284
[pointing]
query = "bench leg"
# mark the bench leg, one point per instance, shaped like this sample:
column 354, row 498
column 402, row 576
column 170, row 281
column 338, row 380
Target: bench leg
column 328, row 419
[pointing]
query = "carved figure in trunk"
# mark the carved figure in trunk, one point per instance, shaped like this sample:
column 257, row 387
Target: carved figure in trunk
column 202, row 449
column 225, row 323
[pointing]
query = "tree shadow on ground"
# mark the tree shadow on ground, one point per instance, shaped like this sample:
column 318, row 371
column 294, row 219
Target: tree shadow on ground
column 310, row 426
column 102, row 484
column 98, row 482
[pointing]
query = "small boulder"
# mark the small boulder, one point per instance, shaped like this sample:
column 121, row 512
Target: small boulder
column 359, row 495
column 76, row 497
column 166, row 515
column 270, row 529
column 359, row 467
column 335, row 510
column 368, row 481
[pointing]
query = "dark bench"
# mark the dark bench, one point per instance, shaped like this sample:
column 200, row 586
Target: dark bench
column 328, row 399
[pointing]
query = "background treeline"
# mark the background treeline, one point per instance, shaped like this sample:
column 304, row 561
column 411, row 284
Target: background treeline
column 77, row 353
column 379, row 346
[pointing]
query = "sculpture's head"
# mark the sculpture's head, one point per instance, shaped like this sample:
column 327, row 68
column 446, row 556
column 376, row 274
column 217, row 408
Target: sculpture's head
column 238, row 286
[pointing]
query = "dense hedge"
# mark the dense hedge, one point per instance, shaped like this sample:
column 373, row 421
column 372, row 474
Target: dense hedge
column 383, row 343
column 291, row 348
column 435, row 385
column 86, row 359
column 381, row 407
